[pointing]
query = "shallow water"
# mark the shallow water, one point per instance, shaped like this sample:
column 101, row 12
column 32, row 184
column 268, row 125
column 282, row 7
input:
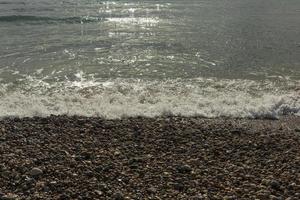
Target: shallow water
column 233, row 58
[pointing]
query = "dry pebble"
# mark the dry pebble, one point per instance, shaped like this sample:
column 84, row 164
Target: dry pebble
column 61, row 157
column 9, row 196
column 35, row 172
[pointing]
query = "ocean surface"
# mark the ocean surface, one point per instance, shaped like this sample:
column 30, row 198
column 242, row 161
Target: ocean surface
column 209, row 58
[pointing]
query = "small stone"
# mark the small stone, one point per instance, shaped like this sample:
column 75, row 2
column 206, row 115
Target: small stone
column 265, row 181
column 40, row 184
column 263, row 194
column 236, row 132
column 229, row 198
column 5, row 173
column 179, row 186
column 135, row 160
column 274, row 185
column 134, row 166
column 185, row 169
column 9, row 196
column 297, row 130
column 103, row 187
column 2, row 167
column 272, row 197
column 64, row 197
column 198, row 197
column 151, row 190
column 28, row 180
column 46, row 189
column 86, row 155
column 35, row 172
column 98, row 192
column 117, row 153
column 88, row 173
column 118, row 196
column 52, row 183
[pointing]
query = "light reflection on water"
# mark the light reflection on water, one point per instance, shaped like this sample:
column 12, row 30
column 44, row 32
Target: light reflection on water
column 150, row 40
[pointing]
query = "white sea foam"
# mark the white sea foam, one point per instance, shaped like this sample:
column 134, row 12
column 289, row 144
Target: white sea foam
column 133, row 20
column 118, row 98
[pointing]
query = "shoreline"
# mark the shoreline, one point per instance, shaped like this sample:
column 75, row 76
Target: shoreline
column 61, row 157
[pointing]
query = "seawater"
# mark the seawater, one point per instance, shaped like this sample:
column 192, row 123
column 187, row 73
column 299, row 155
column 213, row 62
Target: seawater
column 209, row 58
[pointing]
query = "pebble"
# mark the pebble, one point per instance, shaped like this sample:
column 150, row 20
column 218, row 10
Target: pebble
column 274, row 184
column 103, row 187
column 273, row 197
column 263, row 194
column 9, row 196
column 236, row 132
column 151, row 190
column 117, row 153
column 229, row 198
column 2, row 167
column 40, row 184
column 198, row 197
column 184, row 169
column 98, row 192
column 118, row 196
column 178, row 186
column 265, row 181
column 52, row 183
column 64, row 197
column 36, row 172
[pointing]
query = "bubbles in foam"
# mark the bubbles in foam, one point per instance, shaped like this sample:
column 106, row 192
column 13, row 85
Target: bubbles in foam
column 117, row 98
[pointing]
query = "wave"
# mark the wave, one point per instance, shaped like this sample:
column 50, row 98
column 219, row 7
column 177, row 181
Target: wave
column 118, row 98
column 48, row 20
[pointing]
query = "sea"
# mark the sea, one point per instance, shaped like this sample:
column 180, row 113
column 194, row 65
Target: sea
column 128, row 58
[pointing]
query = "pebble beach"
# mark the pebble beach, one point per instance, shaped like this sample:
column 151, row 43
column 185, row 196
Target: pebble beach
column 62, row 157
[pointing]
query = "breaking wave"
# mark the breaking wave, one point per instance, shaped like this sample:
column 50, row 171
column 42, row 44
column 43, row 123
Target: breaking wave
column 118, row 98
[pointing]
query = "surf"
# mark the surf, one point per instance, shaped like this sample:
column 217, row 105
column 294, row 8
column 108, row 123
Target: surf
column 117, row 98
